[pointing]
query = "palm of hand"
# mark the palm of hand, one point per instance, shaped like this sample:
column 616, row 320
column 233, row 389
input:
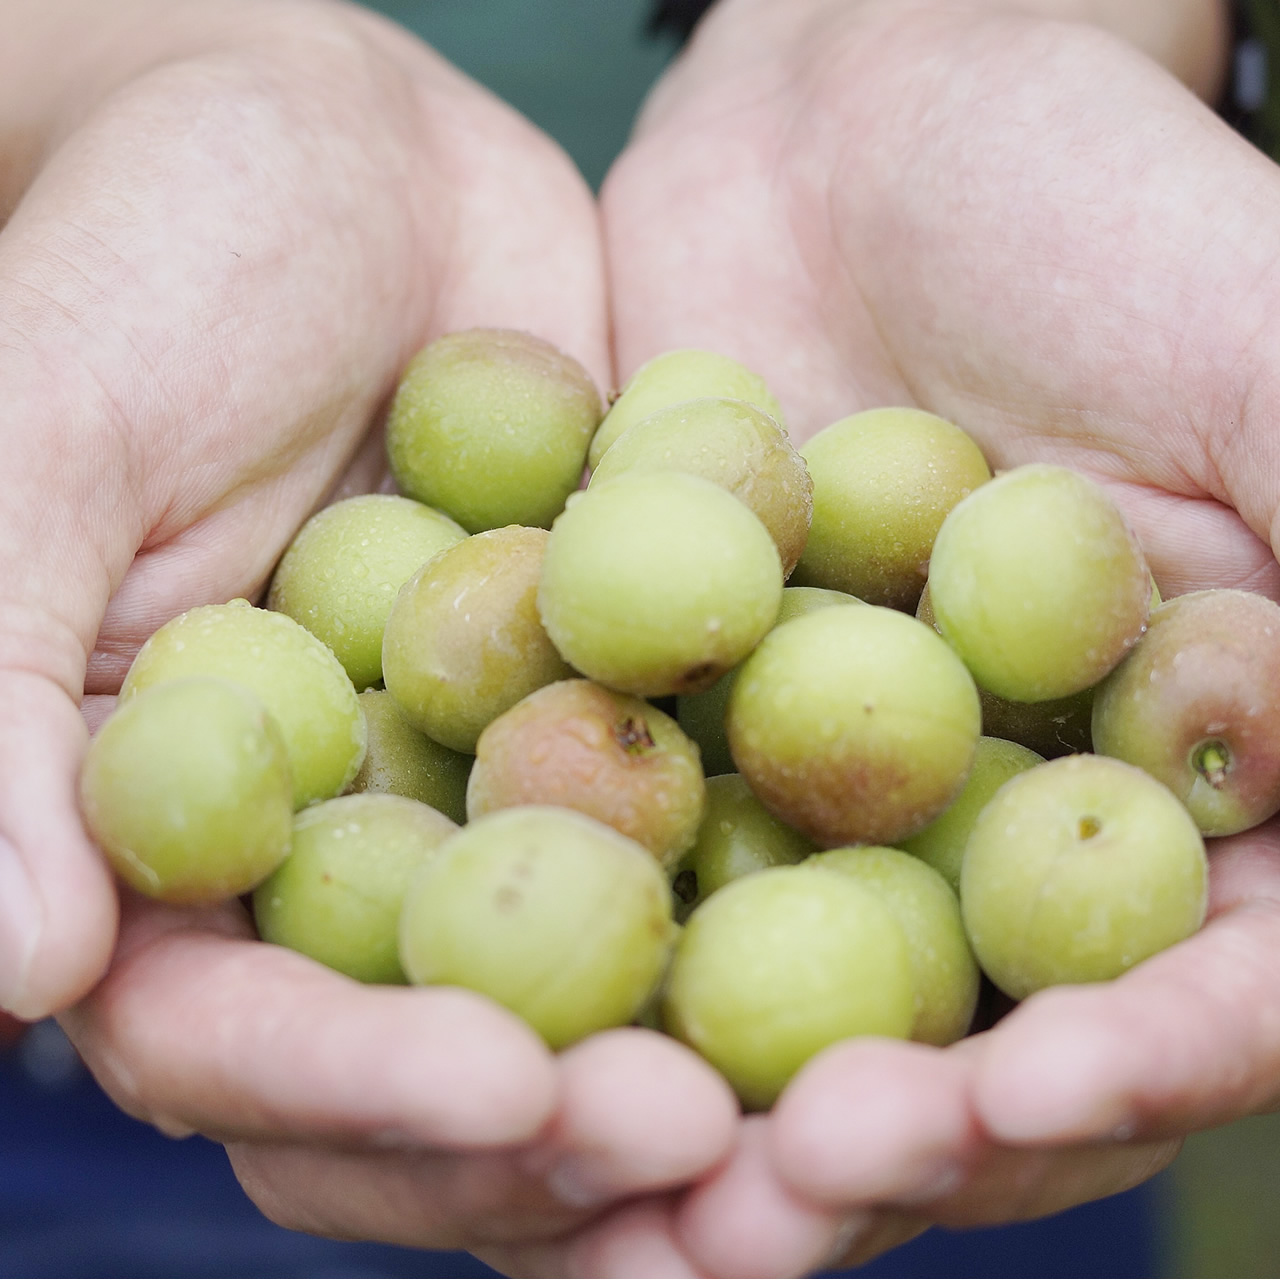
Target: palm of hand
column 286, row 218
column 1029, row 230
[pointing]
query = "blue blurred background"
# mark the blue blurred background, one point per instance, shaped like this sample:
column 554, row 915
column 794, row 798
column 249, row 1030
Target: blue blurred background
column 85, row 1191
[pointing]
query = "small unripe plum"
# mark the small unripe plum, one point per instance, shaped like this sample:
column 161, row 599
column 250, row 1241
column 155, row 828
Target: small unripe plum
column 733, row 444
column 302, row 685
column 883, row 481
column 337, row 896
column 1038, row 583
column 657, row 582
column 341, row 573
column 492, row 426
column 186, row 787
column 737, row 836
column 1054, row 727
column 855, row 726
column 941, row 844
column 609, row 755
column 944, row 972
column 403, row 762
column 1077, row 870
column 672, row 378
column 561, row 919
column 780, row 964
column 702, row 715
column 464, row 641
column 1197, row 705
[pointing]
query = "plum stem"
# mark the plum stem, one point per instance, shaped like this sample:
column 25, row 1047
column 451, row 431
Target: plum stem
column 1211, row 760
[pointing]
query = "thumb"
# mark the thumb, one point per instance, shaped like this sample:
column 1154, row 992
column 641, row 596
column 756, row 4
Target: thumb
column 58, row 906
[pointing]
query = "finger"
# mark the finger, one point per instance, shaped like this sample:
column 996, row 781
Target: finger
column 200, row 1027
column 421, row 1199
column 435, row 1200
column 1187, row 1040
column 57, row 901
column 745, row 1221
column 1018, row 1185
column 57, row 905
column 634, row 1240
column 638, row 1113
column 870, row 1121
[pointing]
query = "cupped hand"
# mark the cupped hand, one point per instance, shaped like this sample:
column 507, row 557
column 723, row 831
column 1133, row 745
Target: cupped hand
column 229, row 226
column 1032, row 228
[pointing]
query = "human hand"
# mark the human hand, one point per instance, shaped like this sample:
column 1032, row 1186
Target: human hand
column 1030, row 228
column 231, row 226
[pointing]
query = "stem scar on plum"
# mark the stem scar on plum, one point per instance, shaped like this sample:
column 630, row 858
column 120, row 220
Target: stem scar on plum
column 633, row 736
column 1089, row 827
column 1212, row 761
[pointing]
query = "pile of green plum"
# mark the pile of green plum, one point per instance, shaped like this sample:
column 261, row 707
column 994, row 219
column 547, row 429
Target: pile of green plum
column 762, row 747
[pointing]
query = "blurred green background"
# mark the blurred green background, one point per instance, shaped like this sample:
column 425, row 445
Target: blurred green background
column 580, row 70
column 577, row 68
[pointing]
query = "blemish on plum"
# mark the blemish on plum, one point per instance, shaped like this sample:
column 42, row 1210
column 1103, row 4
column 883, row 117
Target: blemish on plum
column 633, row 736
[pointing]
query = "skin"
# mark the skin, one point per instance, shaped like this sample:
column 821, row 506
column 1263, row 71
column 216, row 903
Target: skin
column 842, row 241
column 198, row 323
column 993, row 310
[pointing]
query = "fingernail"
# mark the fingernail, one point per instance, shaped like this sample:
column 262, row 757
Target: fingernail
column 849, row 1232
column 576, row 1183
column 933, row 1184
column 20, row 918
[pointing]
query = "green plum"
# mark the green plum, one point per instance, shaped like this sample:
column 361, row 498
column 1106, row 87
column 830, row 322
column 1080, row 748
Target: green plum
column 1039, row 583
column 855, row 726
column 672, row 378
column 302, row 685
column 945, row 974
column 657, row 582
column 733, row 444
column 883, row 481
column 1077, row 870
column 582, row 746
column 337, row 896
column 401, row 761
column 558, row 917
column 341, row 573
column 186, row 787
column 464, row 642
column 737, row 836
column 702, row 715
column 492, row 426
column 1197, row 705
column 941, row 844
column 780, row 964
